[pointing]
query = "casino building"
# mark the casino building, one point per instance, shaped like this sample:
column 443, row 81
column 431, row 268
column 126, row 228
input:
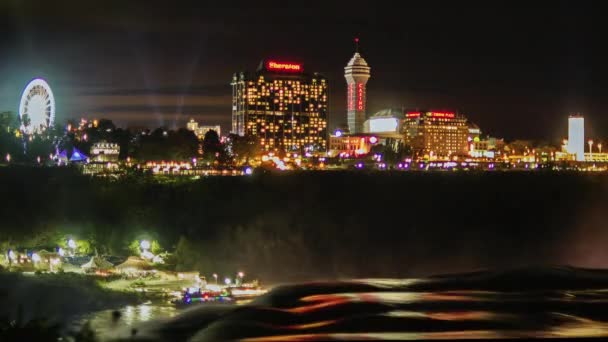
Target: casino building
column 282, row 106
column 356, row 73
column 440, row 134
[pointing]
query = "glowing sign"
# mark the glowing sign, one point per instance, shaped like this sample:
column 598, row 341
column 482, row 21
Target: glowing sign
column 287, row 67
column 412, row 115
column 441, row 114
column 383, row 125
column 360, row 96
column 373, row 140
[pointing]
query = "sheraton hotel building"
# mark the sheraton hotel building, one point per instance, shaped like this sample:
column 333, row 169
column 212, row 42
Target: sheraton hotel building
column 281, row 105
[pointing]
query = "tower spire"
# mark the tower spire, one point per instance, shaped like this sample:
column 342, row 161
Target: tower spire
column 356, row 44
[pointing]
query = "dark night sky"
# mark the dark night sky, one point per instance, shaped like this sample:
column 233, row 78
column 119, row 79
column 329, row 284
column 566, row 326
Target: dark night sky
column 515, row 68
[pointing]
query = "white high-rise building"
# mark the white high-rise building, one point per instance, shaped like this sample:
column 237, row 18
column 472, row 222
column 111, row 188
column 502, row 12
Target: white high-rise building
column 356, row 72
column 576, row 136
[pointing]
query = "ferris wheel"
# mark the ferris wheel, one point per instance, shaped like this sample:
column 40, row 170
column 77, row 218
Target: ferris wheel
column 37, row 107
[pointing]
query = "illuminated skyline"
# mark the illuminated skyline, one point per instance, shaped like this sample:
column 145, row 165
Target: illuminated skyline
column 159, row 64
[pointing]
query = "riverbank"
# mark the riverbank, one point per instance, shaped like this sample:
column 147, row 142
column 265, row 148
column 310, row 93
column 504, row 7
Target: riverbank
column 57, row 298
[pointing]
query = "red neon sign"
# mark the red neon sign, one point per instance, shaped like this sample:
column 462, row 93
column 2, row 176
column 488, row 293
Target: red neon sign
column 412, row 115
column 281, row 66
column 442, row 114
column 359, row 96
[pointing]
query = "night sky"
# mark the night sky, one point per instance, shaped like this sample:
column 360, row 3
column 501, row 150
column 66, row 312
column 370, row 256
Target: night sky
column 517, row 69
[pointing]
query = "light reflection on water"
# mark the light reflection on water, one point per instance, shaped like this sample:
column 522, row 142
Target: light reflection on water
column 106, row 325
column 404, row 310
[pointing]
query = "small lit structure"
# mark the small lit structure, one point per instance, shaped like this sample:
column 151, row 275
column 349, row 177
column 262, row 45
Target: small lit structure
column 352, row 145
column 104, row 152
column 78, row 157
column 188, row 276
column 134, row 266
column 47, row 260
column 200, row 131
column 97, row 263
column 596, row 157
column 489, row 147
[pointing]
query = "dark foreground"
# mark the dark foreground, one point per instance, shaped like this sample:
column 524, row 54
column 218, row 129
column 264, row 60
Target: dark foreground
column 531, row 303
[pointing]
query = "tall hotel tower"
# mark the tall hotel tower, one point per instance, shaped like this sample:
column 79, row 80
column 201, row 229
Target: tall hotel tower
column 356, row 72
column 283, row 107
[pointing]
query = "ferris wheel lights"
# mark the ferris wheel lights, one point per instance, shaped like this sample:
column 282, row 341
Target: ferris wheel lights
column 37, row 107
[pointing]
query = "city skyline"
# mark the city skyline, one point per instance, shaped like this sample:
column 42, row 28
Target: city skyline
column 501, row 76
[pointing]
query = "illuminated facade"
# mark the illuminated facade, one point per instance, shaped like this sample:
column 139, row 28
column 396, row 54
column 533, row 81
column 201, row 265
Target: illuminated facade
column 576, row 136
column 384, row 121
column 436, row 134
column 105, row 152
column 357, row 73
column 200, row 131
column 282, row 106
column 351, row 145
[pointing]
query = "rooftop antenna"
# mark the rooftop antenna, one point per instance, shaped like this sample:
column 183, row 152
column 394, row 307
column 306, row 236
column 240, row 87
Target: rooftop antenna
column 356, row 44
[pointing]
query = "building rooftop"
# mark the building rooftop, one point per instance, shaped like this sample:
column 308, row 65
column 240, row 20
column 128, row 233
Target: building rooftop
column 396, row 113
column 357, row 60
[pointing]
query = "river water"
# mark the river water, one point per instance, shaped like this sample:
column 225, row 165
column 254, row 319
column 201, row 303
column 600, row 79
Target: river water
column 107, row 327
column 532, row 303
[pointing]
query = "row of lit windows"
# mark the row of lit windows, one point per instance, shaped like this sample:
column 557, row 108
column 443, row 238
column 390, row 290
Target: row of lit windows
column 279, row 81
column 281, row 93
column 291, row 141
column 296, row 120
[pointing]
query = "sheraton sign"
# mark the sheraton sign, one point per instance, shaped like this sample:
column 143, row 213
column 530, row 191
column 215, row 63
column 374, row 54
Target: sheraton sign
column 284, row 66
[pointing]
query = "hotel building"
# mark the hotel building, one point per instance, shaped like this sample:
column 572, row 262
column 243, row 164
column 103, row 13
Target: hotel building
column 436, row 133
column 282, row 106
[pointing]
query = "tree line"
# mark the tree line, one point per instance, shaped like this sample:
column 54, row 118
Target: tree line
column 144, row 145
column 306, row 225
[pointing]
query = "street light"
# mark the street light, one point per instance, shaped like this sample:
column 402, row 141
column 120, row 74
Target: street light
column 72, row 245
column 227, row 281
column 36, row 258
column 590, row 142
column 599, row 147
column 145, row 245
